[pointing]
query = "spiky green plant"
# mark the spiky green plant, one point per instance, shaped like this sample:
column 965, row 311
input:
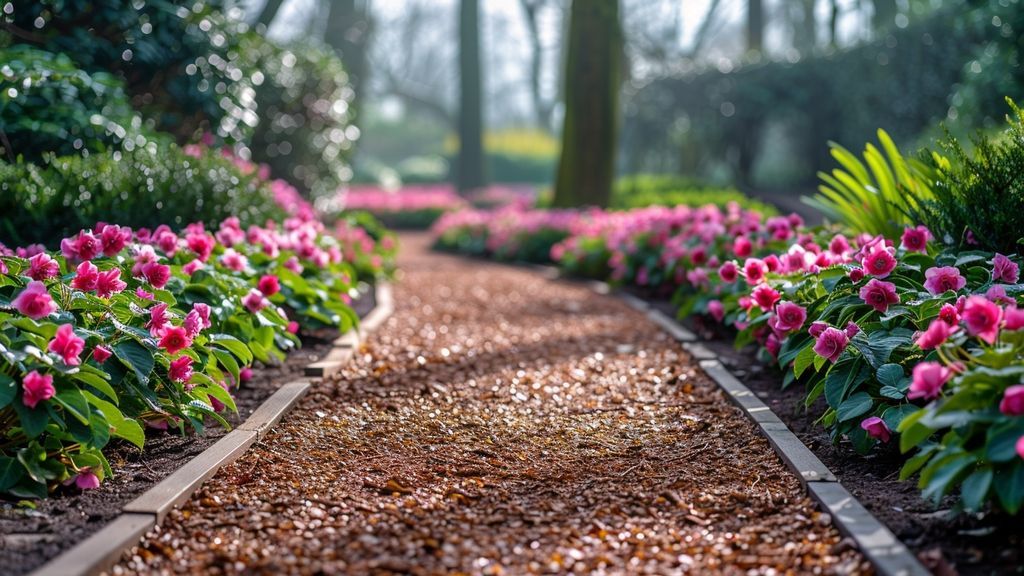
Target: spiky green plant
column 875, row 195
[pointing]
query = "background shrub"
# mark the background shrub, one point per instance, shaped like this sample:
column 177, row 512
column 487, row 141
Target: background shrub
column 49, row 104
column 144, row 187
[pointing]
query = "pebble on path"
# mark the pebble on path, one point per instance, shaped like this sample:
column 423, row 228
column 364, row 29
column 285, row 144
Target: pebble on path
column 501, row 423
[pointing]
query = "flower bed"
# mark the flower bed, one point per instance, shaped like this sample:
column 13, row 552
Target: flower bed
column 126, row 329
column 900, row 336
column 417, row 207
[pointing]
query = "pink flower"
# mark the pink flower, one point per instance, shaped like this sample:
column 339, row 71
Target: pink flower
column 879, row 294
column 42, row 266
column 716, row 309
column 916, row 239
column 788, row 317
column 940, row 280
column 1013, row 318
column 200, row 243
column 879, row 261
column 1012, row 403
column 982, row 318
column 754, row 269
column 876, row 428
column 67, row 345
column 34, row 301
column 254, row 301
column 831, row 343
column 728, row 272
column 180, row 370
column 193, row 266
column 217, row 405
column 948, row 314
column 143, row 294
column 36, row 388
column 203, row 311
column 817, row 328
column 997, row 293
column 772, row 344
column 84, row 246
column 856, row 274
column 1020, row 447
column 86, row 277
column 114, row 238
column 293, row 265
column 742, row 247
column 928, row 380
column 245, row 374
column 293, row 327
column 937, row 333
column 158, row 319
column 167, row 241
column 772, row 262
column 1004, row 270
column 234, row 260
column 109, row 283
column 193, row 324
column 101, row 354
column 174, row 340
column 839, row 244
column 851, row 330
column 86, row 479
column 156, row 274
column 269, row 285
column 765, row 296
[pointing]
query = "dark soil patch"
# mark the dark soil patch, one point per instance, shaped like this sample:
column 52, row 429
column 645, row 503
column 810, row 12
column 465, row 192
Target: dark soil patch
column 29, row 536
column 976, row 544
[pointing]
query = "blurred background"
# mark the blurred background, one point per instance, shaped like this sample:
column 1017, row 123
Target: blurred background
column 468, row 94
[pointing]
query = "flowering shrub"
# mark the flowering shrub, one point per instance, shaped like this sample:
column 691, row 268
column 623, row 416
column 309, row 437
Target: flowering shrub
column 895, row 335
column 126, row 328
column 416, row 206
column 511, row 233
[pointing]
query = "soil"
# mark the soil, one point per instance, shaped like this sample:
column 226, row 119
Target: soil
column 499, row 423
column 33, row 533
column 945, row 542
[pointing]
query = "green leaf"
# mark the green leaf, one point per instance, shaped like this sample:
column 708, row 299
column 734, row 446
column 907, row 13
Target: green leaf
column 1009, row 484
column 917, row 462
column 975, row 488
column 890, row 375
column 842, row 378
column 136, row 357
column 8, row 390
column 233, row 345
column 804, row 360
column 10, row 472
column 75, row 404
column 1001, row 443
column 99, row 383
column 937, row 477
column 892, row 393
column 856, row 405
column 895, row 415
column 33, row 420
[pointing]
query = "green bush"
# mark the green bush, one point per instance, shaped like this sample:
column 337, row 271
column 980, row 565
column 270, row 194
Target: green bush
column 979, row 197
column 640, row 190
column 47, row 104
column 180, row 63
column 305, row 130
column 144, row 187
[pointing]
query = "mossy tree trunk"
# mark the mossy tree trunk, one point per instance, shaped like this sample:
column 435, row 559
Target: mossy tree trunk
column 592, row 75
column 470, row 174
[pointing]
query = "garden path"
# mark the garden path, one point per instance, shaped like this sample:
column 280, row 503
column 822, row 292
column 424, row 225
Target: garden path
column 504, row 423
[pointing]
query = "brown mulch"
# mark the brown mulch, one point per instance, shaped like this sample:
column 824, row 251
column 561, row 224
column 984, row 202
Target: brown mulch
column 502, row 423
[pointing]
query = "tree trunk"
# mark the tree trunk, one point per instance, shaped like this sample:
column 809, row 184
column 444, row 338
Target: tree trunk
column 347, row 31
column 541, row 107
column 592, row 73
column 755, row 25
column 884, row 15
column 268, row 12
column 470, row 164
column 805, row 36
column 833, row 23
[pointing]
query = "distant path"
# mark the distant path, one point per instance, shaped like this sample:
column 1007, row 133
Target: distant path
column 503, row 423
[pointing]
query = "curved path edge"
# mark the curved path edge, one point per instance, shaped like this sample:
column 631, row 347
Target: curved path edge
column 880, row 546
column 102, row 549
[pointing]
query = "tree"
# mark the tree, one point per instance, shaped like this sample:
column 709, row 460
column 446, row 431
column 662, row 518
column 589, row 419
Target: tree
column 543, row 108
column 470, row 164
column 592, row 73
column 755, row 25
column 348, row 31
column 268, row 12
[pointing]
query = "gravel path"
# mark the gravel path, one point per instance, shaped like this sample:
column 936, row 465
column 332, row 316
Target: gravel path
column 500, row 423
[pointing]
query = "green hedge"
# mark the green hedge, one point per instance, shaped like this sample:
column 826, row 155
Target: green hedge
column 144, row 187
